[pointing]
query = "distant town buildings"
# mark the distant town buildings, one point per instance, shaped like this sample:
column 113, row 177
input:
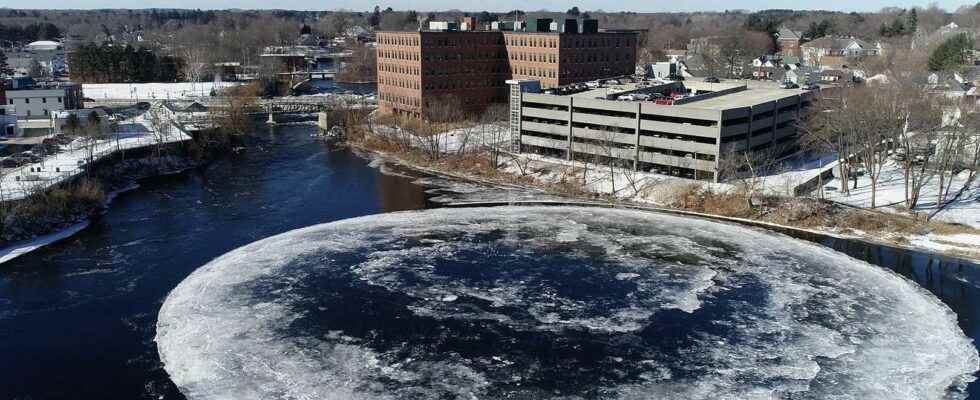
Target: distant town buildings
column 414, row 68
column 46, row 55
column 835, row 51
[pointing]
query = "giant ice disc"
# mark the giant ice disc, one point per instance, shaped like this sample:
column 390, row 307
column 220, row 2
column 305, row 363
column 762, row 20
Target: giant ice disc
column 538, row 303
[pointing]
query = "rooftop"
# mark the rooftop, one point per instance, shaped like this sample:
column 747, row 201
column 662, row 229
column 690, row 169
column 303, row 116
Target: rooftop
column 694, row 94
column 744, row 98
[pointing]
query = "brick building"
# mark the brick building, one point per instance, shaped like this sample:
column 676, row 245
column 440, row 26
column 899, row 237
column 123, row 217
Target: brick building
column 473, row 66
column 788, row 41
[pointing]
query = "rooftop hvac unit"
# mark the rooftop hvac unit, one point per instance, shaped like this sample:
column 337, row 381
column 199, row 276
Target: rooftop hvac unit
column 502, row 25
column 590, row 26
column 571, row 26
column 539, row 25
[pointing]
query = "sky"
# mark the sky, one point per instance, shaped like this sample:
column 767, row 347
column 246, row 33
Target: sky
column 499, row 5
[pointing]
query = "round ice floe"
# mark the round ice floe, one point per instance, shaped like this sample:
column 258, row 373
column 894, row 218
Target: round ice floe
column 560, row 302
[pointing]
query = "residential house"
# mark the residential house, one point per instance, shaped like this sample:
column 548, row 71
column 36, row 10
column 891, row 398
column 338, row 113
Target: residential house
column 836, row 51
column 766, row 66
column 940, row 35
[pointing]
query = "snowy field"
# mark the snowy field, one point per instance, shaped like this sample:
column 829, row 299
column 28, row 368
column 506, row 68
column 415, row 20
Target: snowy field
column 890, row 195
column 151, row 91
column 136, row 133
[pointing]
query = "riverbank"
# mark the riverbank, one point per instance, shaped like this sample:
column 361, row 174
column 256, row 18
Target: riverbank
column 806, row 215
column 32, row 230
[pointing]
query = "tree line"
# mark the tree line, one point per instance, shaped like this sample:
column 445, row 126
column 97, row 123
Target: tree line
column 29, row 33
column 91, row 63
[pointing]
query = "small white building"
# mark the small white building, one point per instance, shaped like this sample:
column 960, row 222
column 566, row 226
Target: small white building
column 36, row 103
column 39, row 101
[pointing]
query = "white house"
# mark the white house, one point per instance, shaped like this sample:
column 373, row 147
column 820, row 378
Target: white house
column 36, row 103
column 40, row 100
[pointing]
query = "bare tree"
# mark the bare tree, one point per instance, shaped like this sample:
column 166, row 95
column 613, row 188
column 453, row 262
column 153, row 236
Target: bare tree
column 494, row 124
column 949, row 147
column 879, row 117
column 523, row 163
column 161, row 125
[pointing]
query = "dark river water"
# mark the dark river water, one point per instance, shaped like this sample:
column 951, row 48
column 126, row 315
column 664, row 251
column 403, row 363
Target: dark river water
column 77, row 319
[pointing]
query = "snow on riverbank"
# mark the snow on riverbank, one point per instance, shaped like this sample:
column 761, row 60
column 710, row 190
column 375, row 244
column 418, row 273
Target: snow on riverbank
column 890, row 195
column 20, row 248
column 151, row 91
column 17, row 183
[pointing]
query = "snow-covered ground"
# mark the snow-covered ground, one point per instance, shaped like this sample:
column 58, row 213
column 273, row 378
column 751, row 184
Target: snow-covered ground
column 151, row 91
column 456, row 140
column 890, row 195
column 20, row 248
column 132, row 134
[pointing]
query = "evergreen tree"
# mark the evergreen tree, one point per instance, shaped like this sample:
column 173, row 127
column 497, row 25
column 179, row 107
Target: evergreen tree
column 5, row 70
column 913, row 22
column 375, row 18
column 951, row 54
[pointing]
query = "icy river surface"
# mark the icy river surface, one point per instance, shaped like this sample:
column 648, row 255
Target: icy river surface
column 308, row 291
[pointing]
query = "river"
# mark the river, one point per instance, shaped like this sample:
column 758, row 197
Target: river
column 77, row 319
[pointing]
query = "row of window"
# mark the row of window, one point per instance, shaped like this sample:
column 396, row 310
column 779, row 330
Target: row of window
column 465, row 69
column 402, row 100
column 534, row 57
column 470, row 40
column 535, row 72
column 400, row 69
column 456, row 56
column 533, row 41
column 463, row 84
column 399, row 40
column 398, row 54
column 604, row 42
column 402, row 83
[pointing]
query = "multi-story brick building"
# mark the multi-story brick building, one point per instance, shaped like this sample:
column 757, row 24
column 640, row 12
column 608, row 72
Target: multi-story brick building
column 473, row 66
column 788, row 41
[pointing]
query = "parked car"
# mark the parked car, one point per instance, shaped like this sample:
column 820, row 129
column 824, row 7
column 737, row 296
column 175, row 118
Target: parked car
column 592, row 84
column 712, row 79
column 635, row 97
